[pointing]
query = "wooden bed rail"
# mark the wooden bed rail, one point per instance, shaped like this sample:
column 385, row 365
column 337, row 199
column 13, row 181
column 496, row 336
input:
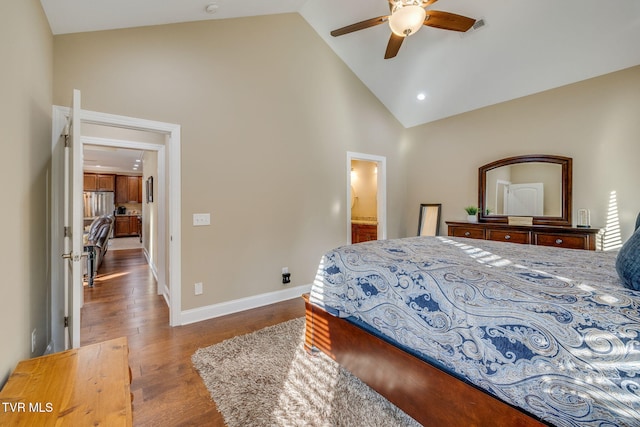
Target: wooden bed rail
column 430, row 396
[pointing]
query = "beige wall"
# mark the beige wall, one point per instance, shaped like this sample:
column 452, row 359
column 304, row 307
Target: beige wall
column 150, row 210
column 268, row 113
column 595, row 122
column 25, row 119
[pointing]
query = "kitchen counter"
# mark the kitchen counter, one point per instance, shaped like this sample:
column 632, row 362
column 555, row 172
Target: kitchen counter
column 364, row 220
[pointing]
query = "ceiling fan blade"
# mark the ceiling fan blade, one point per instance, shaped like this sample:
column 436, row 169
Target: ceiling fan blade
column 448, row 21
column 393, row 46
column 360, row 26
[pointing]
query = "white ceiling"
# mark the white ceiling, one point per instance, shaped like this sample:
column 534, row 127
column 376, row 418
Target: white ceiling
column 524, row 48
column 112, row 159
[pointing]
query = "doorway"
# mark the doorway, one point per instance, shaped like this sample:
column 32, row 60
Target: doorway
column 168, row 203
column 119, row 154
column 366, row 197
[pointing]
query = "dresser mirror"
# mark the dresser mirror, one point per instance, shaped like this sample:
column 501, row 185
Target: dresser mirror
column 537, row 186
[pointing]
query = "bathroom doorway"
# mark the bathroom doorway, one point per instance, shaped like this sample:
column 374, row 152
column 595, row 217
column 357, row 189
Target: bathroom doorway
column 366, row 197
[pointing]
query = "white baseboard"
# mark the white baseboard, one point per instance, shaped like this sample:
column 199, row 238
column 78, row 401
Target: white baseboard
column 152, row 266
column 165, row 294
column 216, row 310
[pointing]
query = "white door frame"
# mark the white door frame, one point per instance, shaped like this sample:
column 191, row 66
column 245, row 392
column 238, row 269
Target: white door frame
column 381, row 162
column 171, row 187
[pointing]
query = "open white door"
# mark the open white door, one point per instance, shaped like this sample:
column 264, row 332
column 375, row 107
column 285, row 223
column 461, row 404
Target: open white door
column 524, row 199
column 73, row 222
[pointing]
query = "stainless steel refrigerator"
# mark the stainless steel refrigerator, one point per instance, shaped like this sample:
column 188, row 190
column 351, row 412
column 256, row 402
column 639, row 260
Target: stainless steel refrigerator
column 98, row 203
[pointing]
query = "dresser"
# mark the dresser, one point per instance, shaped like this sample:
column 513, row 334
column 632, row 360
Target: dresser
column 545, row 235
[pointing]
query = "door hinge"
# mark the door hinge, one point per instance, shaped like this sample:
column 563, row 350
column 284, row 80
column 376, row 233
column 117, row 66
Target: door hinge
column 67, row 231
column 66, row 321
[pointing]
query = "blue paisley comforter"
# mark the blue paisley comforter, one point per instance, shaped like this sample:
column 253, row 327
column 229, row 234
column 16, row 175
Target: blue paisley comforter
column 551, row 331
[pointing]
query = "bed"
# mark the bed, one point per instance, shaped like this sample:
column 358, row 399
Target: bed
column 462, row 332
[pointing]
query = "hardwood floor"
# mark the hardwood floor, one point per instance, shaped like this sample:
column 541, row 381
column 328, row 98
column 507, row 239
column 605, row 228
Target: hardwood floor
column 167, row 389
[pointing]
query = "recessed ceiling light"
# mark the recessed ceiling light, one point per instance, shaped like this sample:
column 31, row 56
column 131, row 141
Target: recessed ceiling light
column 421, row 96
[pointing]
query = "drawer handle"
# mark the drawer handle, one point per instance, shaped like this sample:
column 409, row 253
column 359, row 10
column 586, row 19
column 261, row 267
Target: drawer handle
column 558, row 241
column 467, row 234
column 507, row 237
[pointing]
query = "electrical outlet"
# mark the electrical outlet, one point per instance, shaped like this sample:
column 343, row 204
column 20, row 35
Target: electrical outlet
column 201, row 219
column 286, row 276
column 198, row 288
column 33, row 341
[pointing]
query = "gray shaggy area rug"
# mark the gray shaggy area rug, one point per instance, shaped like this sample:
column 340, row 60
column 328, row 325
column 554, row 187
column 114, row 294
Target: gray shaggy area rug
column 266, row 378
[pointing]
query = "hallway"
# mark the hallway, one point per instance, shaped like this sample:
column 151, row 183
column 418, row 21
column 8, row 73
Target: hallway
column 167, row 390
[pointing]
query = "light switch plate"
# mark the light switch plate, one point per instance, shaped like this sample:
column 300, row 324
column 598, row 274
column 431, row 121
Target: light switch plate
column 201, row 219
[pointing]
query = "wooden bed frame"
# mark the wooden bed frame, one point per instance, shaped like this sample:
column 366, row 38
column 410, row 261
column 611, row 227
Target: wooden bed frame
column 429, row 395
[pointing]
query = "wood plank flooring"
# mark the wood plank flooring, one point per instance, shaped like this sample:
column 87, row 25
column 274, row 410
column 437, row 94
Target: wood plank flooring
column 167, row 389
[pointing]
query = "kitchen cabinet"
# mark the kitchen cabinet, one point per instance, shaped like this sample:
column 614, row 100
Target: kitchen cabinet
column 135, row 189
column 99, row 182
column 128, row 189
column 90, row 182
column 127, row 225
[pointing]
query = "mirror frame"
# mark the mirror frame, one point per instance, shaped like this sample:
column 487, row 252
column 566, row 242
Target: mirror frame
column 567, row 176
column 421, row 218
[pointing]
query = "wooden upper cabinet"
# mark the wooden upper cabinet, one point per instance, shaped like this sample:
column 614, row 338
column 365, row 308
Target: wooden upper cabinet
column 99, row 182
column 134, row 188
column 90, row 182
column 122, row 189
column 128, row 189
column 106, row 182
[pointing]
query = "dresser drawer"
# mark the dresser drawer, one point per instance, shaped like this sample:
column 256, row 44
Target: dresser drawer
column 472, row 233
column 561, row 237
column 562, row 240
column 509, row 236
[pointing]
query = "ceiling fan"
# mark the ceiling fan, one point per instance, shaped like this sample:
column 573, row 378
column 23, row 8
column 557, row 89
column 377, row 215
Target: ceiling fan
column 407, row 17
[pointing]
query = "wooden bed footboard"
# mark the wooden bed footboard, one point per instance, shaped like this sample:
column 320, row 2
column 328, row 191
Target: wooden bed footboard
column 429, row 395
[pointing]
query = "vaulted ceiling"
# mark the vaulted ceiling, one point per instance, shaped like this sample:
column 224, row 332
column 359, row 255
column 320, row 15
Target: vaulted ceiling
column 524, row 47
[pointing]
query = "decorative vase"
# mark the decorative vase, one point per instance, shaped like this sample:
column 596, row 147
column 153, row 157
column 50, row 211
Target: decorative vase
column 472, row 218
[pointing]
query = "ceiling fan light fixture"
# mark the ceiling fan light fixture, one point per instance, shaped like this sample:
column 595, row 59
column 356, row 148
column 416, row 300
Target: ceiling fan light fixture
column 211, row 8
column 406, row 20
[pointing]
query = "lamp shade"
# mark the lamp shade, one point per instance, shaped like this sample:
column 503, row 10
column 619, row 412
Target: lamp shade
column 407, row 20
